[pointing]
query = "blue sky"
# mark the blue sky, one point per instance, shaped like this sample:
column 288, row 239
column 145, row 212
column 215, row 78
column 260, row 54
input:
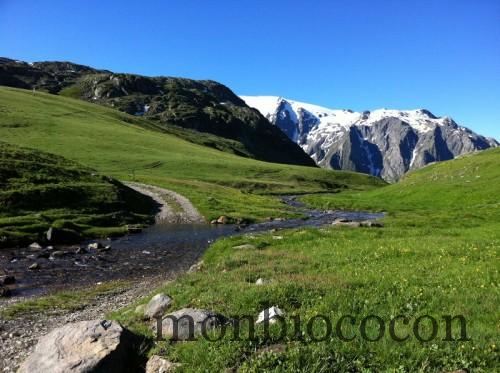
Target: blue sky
column 441, row 55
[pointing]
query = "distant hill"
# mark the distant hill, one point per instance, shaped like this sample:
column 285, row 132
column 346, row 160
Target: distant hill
column 202, row 105
column 384, row 143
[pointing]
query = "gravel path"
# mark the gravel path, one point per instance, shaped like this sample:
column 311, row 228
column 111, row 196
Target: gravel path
column 175, row 208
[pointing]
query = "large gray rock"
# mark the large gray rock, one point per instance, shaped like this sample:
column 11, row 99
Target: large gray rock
column 188, row 323
column 157, row 306
column 85, row 346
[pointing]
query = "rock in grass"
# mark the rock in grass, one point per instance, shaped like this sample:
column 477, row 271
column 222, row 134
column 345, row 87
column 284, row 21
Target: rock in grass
column 157, row 364
column 270, row 315
column 260, row 281
column 188, row 323
column 196, row 267
column 245, row 247
column 157, row 306
column 85, row 346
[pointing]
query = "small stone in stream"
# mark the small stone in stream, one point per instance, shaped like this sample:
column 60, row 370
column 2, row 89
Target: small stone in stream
column 246, row 246
column 85, row 346
column 7, row 280
column 94, row 246
column 270, row 315
column 34, row 267
column 50, row 247
column 58, row 254
column 157, row 364
column 146, row 252
column 157, row 306
column 35, row 246
column 44, row 255
column 341, row 220
column 106, row 248
column 4, row 292
column 213, row 221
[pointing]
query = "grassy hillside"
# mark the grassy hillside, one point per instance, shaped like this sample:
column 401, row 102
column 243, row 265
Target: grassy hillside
column 132, row 148
column 204, row 106
column 40, row 190
column 437, row 255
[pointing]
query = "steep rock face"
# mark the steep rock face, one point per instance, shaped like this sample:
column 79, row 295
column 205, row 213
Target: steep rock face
column 384, row 143
column 199, row 105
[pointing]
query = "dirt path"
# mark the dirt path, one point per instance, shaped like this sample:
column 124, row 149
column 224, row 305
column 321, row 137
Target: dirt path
column 175, row 208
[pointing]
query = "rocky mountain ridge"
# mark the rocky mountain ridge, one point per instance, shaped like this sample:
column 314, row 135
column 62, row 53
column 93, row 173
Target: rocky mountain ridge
column 384, row 143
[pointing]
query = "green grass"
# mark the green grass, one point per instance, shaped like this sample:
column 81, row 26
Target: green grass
column 63, row 301
column 40, row 190
column 131, row 148
column 437, row 255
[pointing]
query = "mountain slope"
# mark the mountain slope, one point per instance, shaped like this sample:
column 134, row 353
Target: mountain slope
column 205, row 106
column 133, row 148
column 385, row 143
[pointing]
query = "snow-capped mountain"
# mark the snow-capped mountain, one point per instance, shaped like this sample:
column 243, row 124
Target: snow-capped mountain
column 385, row 143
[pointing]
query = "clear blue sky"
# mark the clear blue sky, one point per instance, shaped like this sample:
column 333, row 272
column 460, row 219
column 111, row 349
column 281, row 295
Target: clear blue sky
column 443, row 55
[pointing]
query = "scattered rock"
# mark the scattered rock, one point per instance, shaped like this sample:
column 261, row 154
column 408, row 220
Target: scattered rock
column 7, row 280
column 341, row 220
column 58, row 254
column 4, row 292
column 62, row 235
column 213, row 221
column 157, row 364
column 277, row 237
column 350, row 224
column 85, row 346
column 146, row 252
column 35, row 246
column 196, row 267
column 43, row 255
column 34, row 266
column 246, row 246
column 260, row 281
column 157, row 306
column 222, row 220
column 270, row 315
column 94, row 246
column 106, row 248
column 190, row 323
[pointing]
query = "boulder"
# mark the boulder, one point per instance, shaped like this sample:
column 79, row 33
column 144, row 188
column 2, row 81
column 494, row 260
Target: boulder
column 85, row 346
column 270, row 315
column 245, row 247
column 157, row 306
column 188, row 323
column 57, row 235
column 157, row 364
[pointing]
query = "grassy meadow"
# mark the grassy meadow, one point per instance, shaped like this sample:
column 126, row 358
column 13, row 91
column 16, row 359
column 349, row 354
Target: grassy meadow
column 436, row 255
column 130, row 148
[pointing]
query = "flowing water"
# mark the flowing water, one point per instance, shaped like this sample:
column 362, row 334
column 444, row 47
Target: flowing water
column 159, row 249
